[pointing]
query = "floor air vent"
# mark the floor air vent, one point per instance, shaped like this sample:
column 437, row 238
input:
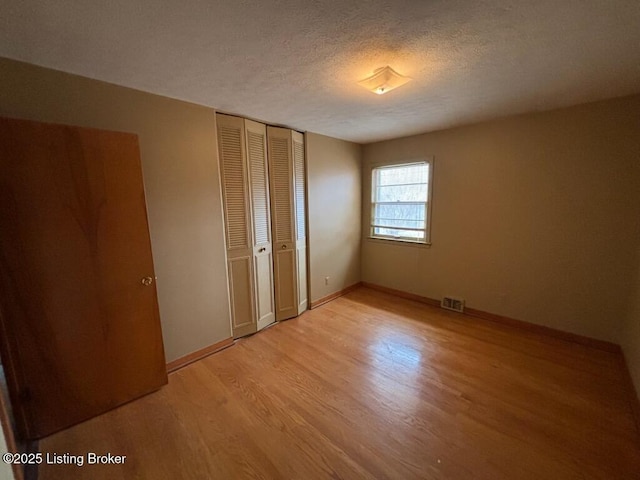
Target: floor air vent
column 452, row 303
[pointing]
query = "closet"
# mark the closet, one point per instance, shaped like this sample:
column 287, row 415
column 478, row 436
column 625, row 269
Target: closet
column 263, row 192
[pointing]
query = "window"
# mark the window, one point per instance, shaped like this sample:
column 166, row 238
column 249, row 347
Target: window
column 400, row 202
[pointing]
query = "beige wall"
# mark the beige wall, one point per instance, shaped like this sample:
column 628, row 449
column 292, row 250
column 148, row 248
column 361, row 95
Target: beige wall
column 6, row 472
column 334, row 193
column 535, row 217
column 630, row 339
column 179, row 159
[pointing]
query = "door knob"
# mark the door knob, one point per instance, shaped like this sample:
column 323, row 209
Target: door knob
column 283, row 247
column 262, row 249
column 146, row 281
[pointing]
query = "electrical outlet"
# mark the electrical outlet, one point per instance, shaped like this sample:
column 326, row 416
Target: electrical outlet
column 326, row 280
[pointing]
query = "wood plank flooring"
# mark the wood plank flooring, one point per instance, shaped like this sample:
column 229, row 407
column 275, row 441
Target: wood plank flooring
column 371, row 386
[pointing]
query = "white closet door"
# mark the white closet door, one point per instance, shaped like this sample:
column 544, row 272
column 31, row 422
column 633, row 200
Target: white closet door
column 299, row 178
column 256, row 137
column 235, row 194
column 283, row 225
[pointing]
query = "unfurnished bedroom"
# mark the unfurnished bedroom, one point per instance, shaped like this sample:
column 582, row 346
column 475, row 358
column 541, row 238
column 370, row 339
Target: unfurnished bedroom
column 309, row 240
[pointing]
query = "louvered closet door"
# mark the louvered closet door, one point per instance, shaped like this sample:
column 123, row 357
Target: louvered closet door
column 256, row 137
column 237, row 215
column 300, row 218
column 283, row 215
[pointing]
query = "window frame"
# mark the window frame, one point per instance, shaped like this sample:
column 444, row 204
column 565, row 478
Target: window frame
column 428, row 203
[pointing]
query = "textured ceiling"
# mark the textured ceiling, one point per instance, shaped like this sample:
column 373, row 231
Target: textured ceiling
column 297, row 62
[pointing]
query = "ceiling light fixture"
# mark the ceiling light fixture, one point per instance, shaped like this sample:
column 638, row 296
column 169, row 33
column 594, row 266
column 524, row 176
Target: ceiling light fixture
column 384, row 80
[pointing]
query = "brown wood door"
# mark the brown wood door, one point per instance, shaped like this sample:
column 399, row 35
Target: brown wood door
column 80, row 331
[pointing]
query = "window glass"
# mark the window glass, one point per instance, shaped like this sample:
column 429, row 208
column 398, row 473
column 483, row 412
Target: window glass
column 400, row 200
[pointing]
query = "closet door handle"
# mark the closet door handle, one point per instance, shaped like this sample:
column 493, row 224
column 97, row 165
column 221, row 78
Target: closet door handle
column 146, row 281
column 283, row 247
column 260, row 250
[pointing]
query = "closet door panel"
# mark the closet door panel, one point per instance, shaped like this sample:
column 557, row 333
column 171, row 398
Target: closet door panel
column 300, row 219
column 283, row 211
column 286, row 298
column 240, row 291
column 265, row 300
column 281, row 185
column 237, row 213
column 256, row 135
column 301, row 256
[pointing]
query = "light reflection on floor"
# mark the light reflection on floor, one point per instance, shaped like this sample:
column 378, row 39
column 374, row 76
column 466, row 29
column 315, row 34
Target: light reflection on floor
column 398, row 362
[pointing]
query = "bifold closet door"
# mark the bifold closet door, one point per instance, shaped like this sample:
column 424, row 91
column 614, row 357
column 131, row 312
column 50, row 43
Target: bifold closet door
column 256, row 139
column 235, row 194
column 299, row 200
column 286, row 166
column 245, row 192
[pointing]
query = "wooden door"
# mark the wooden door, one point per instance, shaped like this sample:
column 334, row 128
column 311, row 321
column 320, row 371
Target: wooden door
column 237, row 216
column 283, row 211
column 256, row 137
column 79, row 318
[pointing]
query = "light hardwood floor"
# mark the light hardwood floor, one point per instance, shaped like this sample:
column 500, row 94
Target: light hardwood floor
column 371, row 386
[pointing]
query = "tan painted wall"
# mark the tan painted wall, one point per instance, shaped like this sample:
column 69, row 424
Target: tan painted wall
column 630, row 339
column 534, row 217
column 631, row 335
column 6, row 472
column 179, row 159
column 334, row 193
